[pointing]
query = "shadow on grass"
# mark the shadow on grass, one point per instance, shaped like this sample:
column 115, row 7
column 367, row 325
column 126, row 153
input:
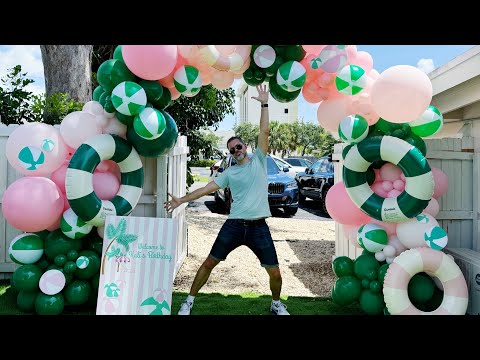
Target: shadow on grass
column 208, row 304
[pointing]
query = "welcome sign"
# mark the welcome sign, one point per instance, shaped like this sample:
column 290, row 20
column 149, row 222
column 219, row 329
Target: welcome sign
column 137, row 266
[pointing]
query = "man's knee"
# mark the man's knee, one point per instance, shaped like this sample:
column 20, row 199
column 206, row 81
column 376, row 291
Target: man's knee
column 210, row 263
column 274, row 273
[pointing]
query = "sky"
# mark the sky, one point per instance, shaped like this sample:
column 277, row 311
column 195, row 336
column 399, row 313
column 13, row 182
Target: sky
column 425, row 57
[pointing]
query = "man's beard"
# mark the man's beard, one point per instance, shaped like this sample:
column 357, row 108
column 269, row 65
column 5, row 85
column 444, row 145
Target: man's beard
column 241, row 156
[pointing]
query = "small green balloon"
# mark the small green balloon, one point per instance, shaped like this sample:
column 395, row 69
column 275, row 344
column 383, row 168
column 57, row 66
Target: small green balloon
column 43, row 234
column 372, row 302
column 124, row 119
column 164, row 101
column 99, row 91
column 60, row 260
column 26, row 278
column 58, row 243
column 382, row 271
column 421, row 288
column 347, row 290
column 153, row 89
column 112, row 72
column 366, row 265
column 103, row 98
column 117, row 53
column 49, row 304
column 385, row 127
column 375, row 286
column 108, row 106
column 69, row 267
column 272, row 69
column 43, row 263
column 342, row 266
column 366, row 283
column 26, row 301
column 77, row 292
column 72, row 255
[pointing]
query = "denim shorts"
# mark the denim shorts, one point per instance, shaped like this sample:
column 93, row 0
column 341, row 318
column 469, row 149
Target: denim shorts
column 255, row 235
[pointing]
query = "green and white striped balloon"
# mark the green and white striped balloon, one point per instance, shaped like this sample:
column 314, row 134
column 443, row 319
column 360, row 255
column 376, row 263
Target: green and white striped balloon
column 291, row 76
column 428, row 124
column 436, row 238
column 72, row 226
column 187, row 80
column 351, row 79
column 149, row 124
column 129, row 98
column 26, row 249
column 353, row 129
column 31, row 157
column 372, row 237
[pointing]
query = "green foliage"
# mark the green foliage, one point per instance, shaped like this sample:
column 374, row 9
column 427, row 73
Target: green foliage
column 248, row 133
column 15, row 100
column 201, row 163
column 54, row 108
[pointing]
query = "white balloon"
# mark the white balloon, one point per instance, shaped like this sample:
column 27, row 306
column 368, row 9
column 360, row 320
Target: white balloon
column 100, row 231
column 389, row 260
column 380, row 256
column 77, row 127
column 389, row 251
column 93, row 107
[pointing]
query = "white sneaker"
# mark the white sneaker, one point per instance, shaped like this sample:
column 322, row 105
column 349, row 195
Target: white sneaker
column 185, row 308
column 279, row 309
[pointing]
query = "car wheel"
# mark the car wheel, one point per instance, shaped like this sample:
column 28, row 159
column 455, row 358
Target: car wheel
column 324, row 203
column 291, row 210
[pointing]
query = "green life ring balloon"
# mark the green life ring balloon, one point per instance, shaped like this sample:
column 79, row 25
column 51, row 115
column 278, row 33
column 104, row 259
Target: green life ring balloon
column 418, row 184
column 79, row 179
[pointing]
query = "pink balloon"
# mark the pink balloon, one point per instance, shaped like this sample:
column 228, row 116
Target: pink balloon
column 395, row 242
column 374, row 74
column 167, row 81
column 185, row 50
column 377, row 188
column 351, row 53
column 364, row 60
column 390, row 172
column 222, row 79
column 56, row 224
column 393, row 193
column 378, row 176
column 150, row 62
column 175, row 94
column 105, row 185
column 313, row 49
column 341, row 208
column 331, row 112
column 32, row 203
column 66, row 204
column 401, row 94
column 245, row 66
column 390, row 228
column 58, row 176
column 399, row 185
column 77, row 127
column 350, row 232
column 387, row 185
column 432, row 208
column 441, row 182
column 35, row 149
column 226, row 49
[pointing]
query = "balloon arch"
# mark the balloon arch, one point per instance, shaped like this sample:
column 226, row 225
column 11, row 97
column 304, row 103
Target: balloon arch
column 386, row 204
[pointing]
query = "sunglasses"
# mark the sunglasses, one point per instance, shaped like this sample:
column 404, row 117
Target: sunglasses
column 237, row 147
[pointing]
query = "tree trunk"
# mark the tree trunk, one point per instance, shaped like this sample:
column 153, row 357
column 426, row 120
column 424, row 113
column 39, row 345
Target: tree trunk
column 67, row 69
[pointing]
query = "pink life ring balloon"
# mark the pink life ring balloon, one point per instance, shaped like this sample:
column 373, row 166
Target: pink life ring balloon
column 232, row 62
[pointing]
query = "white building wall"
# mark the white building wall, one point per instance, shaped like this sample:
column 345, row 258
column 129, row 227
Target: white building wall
column 249, row 109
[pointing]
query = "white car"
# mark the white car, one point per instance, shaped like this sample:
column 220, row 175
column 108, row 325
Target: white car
column 282, row 164
column 298, row 164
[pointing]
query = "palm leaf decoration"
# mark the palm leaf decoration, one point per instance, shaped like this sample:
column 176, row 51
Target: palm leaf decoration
column 126, row 239
column 113, row 231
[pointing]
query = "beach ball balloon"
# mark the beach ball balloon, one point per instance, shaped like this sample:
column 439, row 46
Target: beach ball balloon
column 413, row 232
column 26, row 249
column 129, row 98
column 187, row 80
column 48, row 145
column 82, row 262
column 31, row 157
column 72, row 226
column 331, row 59
column 291, row 76
column 436, row 238
column 372, row 237
column 264, row 56
column 149, row 124
column 353, row 129
column 52, row 282
column 428, row 124
column 350, row 80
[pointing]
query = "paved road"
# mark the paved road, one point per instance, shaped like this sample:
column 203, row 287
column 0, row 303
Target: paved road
column 311, row 210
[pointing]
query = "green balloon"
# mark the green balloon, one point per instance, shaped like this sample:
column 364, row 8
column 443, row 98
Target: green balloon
column 378, row 164
column 60, row 260
column 259, row 74
column 93, row 267
column 342, row 266
column 77, row 292
column 94, row 281
column 103, row 98
column 49, row 304
column 26, row 300
column 385, row 127
column 112, row 72
column 418, row 142
column 69, row 267
column 93, row 242
column 279, row 94
column 124, row 119
column 26, row 278
column 346, row 149
column 366, row 283
column 272, row 69
column 372, row 302
column 159, row 146
column 375, row 286
column 248, row 74
column 72, row 255
column 347, row 290
column 43, row 263
column 421, row 288
column 153, row 89
column 117, row 53
column 43, row 234
column 366, row 265
column 97, row 93
column 108, row 106
column 58, row 243
column 382, row 272
column 435, row 300
column 165, row 100
column 294, row 53
column 68, row 276
column 252, row 81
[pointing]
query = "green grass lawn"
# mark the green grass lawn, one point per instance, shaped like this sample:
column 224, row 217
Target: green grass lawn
column 199, row 178
column 212, row 304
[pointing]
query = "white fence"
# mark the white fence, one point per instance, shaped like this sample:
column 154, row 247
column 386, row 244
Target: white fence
column 167, row 173
column 458, row 206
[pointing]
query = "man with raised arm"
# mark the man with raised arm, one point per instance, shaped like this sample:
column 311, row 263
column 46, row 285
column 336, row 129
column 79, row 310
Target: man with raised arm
column 246, row 223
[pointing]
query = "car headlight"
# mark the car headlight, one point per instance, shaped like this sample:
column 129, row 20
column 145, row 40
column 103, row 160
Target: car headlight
column 292, row 184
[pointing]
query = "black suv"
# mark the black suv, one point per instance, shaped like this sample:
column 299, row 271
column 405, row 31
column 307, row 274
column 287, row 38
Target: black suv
column 315, row 181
